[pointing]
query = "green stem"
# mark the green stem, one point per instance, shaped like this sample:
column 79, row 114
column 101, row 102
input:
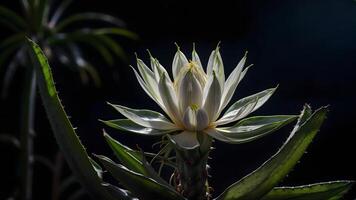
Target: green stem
column 192, row 175
column 27, row 133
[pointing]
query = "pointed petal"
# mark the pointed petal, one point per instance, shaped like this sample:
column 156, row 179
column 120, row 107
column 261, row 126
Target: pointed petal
column 245, row 106
column 216, row 135
column 212, row 97
column 195, row 58
column 254, row 128
column 130, row 126
column 202, row 120
column 169, row 98
column 156, row 67
column 231, row 83
column 186, row 140
column 146, row 118
column 147, row 89
column 216, row 64
column 179, row 62
column 190, row 92
column 149, row 78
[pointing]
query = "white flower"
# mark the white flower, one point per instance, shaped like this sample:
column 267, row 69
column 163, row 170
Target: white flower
column 194, row 101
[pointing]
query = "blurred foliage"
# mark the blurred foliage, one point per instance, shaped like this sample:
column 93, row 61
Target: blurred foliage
column 64, row 38
column 61, row 36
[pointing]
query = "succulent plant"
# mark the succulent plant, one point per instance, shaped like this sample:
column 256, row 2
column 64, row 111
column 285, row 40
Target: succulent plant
column 189, row 179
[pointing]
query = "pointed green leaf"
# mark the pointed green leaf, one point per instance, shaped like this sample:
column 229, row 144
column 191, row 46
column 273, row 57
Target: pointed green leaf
column 142, row 186
column 253, row 128
column 334, row 190
column 133, row 160
column 262, row 180
column 67, row 139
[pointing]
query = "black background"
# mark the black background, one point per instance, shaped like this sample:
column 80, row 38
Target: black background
column 307, row 47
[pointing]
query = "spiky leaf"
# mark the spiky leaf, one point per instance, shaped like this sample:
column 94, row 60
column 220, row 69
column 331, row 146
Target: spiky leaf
column 262, row 180
column 64, row 133
column 326, row 191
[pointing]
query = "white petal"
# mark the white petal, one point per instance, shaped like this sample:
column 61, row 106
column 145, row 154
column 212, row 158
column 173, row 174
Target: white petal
column 128, row 125
column 212, row 97
column 149, row 77
column 216, row 135
column 232, row 82
column 146, row 118
column 202, row 120
column 245, row 106
column 216, row 64
column 237, row 114
column 189, row 119
column 150, row 93
column 169, row 98
column 195, row 58
column 186, row 140
column 190, row 92
column 179, row 62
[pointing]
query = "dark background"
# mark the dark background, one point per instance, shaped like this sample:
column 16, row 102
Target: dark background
column 307, row 47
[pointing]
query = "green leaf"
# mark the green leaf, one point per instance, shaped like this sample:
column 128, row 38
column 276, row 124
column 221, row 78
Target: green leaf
column 138, row 184
column 14, row 18
column 262, row 180
column 133, row 160
column 126, row 156
column 326, row 191
column 253, row 128
column 128, row 125
column 89, row 16
column 67, row 139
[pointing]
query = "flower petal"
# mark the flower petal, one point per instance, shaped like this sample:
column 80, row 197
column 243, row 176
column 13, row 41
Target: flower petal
column 157, row 68
column 186, row 140
column 216, row 64
column 146, row 118
column 190, row 92
column 149, row 78
column 245, row 106
column 179, row 62
column 212, row 97
column 128, row 125
column 189, row 119
column 169, row 98
column 231, row 83
column 195, row 58
column 202, row 119
column 216, row 135
column 255, row 127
